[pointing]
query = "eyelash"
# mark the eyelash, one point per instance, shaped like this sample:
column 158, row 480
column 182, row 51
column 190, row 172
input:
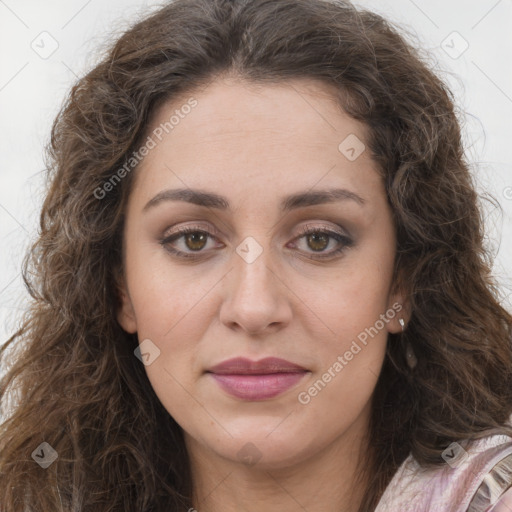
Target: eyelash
column 345, row 241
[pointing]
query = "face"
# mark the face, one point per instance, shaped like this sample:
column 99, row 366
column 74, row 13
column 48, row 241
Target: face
column 289, row 255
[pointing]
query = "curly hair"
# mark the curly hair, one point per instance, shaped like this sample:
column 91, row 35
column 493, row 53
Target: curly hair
column 73, row 380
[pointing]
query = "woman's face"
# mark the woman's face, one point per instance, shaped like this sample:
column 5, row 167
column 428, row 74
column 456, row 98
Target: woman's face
column 272, row 164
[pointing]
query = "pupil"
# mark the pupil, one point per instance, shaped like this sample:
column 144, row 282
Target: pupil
column 319, row 236
column 190, row 236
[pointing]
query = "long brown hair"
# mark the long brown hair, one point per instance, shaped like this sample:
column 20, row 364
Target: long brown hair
column 73, row 380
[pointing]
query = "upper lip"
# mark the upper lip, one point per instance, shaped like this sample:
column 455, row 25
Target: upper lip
column 243, row 366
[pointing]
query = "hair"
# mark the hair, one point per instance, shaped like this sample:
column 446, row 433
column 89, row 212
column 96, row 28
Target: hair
column 74, row 381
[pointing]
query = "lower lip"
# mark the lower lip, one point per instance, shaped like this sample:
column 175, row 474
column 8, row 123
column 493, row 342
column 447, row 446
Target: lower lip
column 257, row 387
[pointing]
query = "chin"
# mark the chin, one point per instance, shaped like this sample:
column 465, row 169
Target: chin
column 258, row 450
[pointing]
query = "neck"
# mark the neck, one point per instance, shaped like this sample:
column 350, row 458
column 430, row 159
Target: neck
column 329, row 481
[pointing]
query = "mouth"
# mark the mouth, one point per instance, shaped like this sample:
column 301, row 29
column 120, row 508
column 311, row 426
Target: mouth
column 257, row 380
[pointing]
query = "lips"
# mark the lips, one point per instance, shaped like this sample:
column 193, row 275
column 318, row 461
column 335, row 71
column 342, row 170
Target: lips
column 256, row 380
column 242, row 366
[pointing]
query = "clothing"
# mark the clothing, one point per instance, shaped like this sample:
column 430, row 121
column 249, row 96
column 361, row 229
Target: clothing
column 475, row 479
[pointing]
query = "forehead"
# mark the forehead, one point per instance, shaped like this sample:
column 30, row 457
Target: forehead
column 272, row 137
column 297, row 107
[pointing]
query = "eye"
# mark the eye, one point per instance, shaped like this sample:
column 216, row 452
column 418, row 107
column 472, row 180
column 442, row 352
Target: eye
column 195, row 239
column 319, row 238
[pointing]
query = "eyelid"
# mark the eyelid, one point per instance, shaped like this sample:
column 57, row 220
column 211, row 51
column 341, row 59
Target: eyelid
column 211, row 230
column 322, row 227
column 214, row 232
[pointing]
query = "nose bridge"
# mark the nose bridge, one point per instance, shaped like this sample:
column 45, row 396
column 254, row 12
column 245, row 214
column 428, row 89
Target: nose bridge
column 254, row 299
column 253, row 264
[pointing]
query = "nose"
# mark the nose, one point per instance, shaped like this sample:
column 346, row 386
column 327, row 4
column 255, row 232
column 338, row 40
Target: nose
column 256, row 296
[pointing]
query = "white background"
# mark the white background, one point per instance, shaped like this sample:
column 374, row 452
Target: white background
column 32, row 89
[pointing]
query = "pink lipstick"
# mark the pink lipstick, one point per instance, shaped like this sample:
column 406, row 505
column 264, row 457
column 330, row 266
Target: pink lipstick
column 256, row 380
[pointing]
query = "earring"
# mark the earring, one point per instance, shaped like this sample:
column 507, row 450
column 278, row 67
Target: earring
column 409, row 352
column 412, row 361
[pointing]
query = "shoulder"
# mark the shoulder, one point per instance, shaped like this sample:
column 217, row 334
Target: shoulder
column 495, row 489
column 504, row 504
column 477, row 478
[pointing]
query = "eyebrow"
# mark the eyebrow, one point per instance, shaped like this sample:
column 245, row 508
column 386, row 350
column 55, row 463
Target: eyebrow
column 288, row 203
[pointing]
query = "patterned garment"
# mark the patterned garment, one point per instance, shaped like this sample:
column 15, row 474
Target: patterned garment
column 475, row 479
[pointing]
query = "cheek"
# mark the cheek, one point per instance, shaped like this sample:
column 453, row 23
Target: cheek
column 164, row 294
column 353, row 347
column 354, row 298
column 173, row 384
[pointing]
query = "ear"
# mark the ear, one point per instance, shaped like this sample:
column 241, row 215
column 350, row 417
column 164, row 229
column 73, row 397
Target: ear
column 125, row 313
column 398, row 308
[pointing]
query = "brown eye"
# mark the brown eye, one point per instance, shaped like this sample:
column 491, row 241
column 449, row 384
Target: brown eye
column 192, row 239
column 318, row 239
column 192, row 242
column 196, row 240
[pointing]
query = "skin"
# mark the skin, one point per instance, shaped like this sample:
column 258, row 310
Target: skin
column 254, row 145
